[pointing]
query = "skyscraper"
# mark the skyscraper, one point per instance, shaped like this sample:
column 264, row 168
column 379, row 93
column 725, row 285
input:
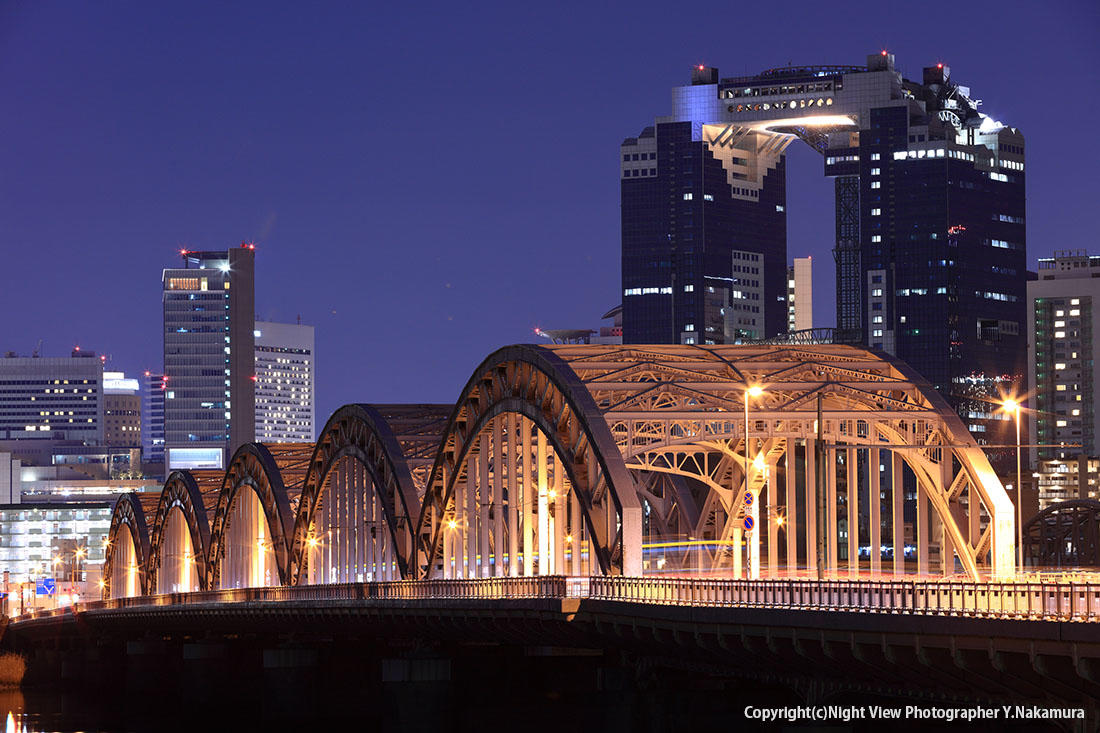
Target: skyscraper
column 930, row 244
column 209, row 309
column 285, row 411
column 1063, row 352
column 152, row 418
column 800, row 294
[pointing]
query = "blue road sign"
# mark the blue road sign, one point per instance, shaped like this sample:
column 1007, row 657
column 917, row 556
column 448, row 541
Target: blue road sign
column 748, row 498
column 748, row 523
column 45, row 586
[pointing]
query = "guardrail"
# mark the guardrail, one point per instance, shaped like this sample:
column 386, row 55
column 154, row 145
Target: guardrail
column 1038, row 601
column 1061, row 601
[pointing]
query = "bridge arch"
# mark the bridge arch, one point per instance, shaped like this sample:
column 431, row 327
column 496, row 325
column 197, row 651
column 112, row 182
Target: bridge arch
column 1064, row 534
column 358, row 503
column 180, row 541
column 678, row 412
column 252, row 523
column 528, row 479
column 125, row 558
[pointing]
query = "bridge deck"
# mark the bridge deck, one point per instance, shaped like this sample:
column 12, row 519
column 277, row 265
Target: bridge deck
column 1058, row 601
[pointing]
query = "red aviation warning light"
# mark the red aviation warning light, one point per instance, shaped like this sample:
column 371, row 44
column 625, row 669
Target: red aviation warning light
column 884, row 52
column 939, row 66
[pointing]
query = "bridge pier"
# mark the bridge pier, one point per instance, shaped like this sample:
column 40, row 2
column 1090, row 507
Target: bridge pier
column 150, row 666
column 290, row 680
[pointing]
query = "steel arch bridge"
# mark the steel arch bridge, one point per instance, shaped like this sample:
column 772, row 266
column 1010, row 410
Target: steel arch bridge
column 1066, row 534
column 595, row 460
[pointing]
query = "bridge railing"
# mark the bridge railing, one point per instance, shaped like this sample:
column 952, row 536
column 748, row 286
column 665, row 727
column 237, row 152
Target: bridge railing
column 1060, row 601
column 1049, row 601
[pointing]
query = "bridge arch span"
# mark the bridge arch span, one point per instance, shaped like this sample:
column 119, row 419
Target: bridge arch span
column 528, row 479
column 180, row 540
column 126, row 556
column 1066, row 534
column 358, row 503
column 680, row 411
column 252, row 523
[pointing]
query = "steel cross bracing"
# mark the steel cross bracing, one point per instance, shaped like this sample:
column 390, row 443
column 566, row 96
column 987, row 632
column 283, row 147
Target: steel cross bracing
column 613, row 460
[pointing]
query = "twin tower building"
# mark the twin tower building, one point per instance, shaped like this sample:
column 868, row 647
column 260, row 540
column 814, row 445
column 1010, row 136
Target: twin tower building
column 929, row 228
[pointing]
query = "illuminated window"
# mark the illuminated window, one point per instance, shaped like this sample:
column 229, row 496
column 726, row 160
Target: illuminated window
column 876, row 237
column 876, row 171
column 876, row 293
column 1060, row 366
column 876, row 212
column 1061, row 423
column 689, row 288
column 688, row 196
column 875, row 156
column 877, row 332
column 876, row 184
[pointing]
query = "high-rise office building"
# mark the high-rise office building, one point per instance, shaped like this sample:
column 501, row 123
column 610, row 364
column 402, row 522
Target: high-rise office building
column 800, row 294
column 52, row 398
column 121, row 410
column 930, row 245
column 152, row 418
column 1063, row 352
column 285, row 411
column 209, row 310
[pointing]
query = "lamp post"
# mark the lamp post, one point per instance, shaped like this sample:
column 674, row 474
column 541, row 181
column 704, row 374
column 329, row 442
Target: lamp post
column 1014, row 407
column 754, row 390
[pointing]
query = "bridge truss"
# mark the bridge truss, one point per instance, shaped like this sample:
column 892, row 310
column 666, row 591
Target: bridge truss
column 597, row 460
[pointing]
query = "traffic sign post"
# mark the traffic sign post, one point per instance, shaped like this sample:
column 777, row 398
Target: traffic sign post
column 45, row 586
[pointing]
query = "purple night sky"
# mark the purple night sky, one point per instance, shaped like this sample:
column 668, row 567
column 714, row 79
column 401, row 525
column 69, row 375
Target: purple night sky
column 426, row 182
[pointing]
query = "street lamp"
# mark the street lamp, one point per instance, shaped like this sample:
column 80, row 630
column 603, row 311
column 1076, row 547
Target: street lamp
column 1014, row 407
column 754, row 390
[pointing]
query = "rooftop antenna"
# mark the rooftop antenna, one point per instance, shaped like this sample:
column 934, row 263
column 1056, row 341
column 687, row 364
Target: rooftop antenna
column 37, row 350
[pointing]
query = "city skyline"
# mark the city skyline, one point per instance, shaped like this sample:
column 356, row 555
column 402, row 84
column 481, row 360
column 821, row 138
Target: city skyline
column 293, row 169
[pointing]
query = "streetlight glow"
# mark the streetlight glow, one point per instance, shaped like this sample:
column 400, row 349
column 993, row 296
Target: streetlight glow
column 1016, row 409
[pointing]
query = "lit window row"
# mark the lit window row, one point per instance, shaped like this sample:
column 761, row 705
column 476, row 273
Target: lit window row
column 916, row 154
column 648, row 291
column 792, row 104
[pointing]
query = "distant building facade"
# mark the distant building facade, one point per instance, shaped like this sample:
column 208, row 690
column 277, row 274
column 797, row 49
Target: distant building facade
column 740, row 309
column 152, row 418
column 1066, row 479
column 1063, row 352
column 800, row 294
column 209, row 312
column 52, row 397
column 121, row 410
column 285, row 369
